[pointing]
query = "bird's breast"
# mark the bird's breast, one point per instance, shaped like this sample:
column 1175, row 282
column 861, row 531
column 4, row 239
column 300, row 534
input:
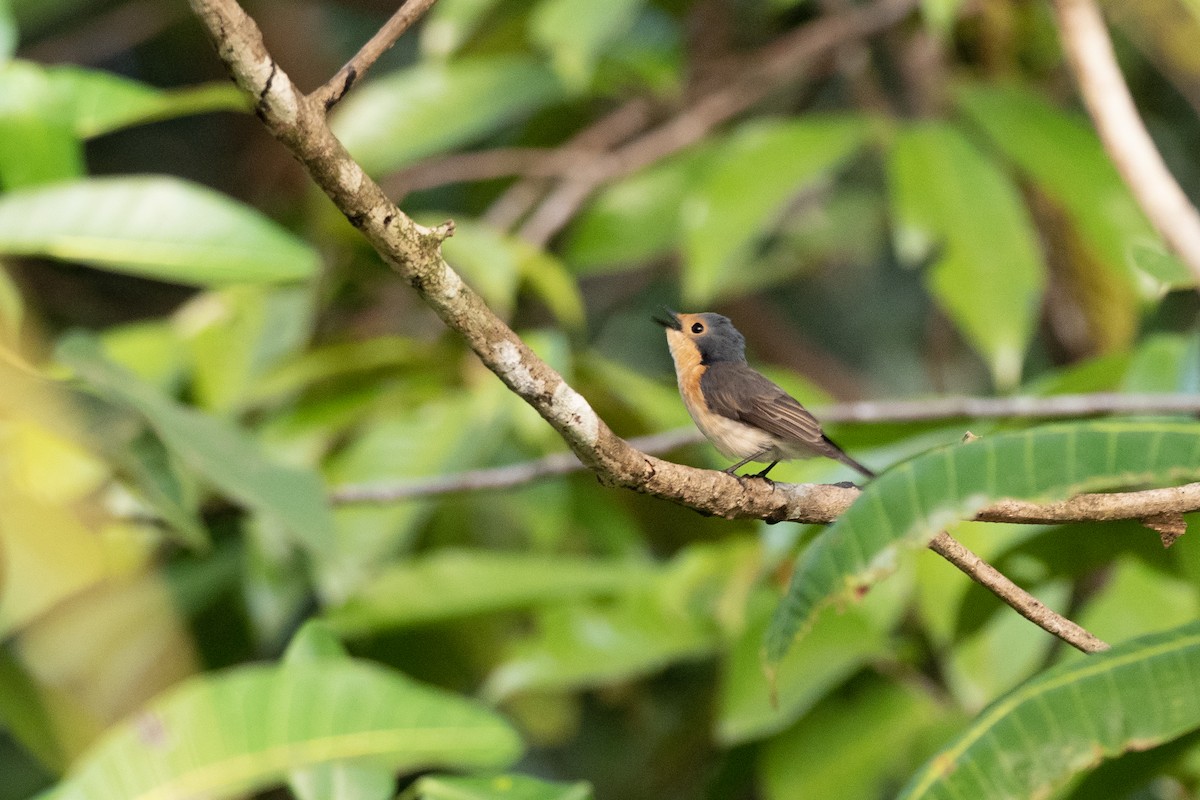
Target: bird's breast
column 734, row 439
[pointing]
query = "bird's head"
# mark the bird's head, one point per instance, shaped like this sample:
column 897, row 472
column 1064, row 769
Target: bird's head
column 705, row 338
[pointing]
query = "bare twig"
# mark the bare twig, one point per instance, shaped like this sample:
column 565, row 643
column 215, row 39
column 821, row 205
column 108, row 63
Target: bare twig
column 1020, row 600
column 935, row 409
column 336, row 87
column 1090, row 53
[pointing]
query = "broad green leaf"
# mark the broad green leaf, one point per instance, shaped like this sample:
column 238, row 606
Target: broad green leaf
column 954, row 205
column 579, row 646
column 499, row 787
column 34, row 150
column 456, row 583
column 854, row 745
column 431, row 108
column 225, row 456
column 1069, row 718
column 232, row 733
column 1137, row 599
column 547, row 277
column 94, row 103
column 576, row 32
column 751, row 708
column 759, row 170
column 37, row 145
column 679, row 616
column 450, row 23
column 339, row 780
column 163, row 228
column 908, row 504
column 1061, row 154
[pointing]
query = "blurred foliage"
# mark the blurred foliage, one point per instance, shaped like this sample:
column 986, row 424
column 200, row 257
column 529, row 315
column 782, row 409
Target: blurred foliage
column 195, row 347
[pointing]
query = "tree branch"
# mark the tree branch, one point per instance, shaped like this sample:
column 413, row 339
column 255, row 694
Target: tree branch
column 414, row 251
column 1020, row 600
column 934, row 409
column 354, row 69
column 1090, row 53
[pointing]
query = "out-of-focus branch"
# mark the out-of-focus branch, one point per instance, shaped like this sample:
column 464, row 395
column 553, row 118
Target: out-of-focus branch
column 1090, row 53
column 780, row 63
column 354, row 69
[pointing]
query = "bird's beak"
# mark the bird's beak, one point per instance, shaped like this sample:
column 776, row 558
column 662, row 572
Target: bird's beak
column 668, row 319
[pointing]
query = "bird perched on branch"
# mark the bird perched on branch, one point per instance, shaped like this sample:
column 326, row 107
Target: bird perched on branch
column 742, row 413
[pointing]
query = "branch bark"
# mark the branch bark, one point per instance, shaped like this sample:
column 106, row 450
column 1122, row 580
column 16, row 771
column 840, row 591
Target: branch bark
column 1090, row 53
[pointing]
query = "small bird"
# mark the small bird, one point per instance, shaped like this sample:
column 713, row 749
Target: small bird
column 742, row 413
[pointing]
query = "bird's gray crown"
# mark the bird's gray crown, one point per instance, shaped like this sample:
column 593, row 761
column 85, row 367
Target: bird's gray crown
column 720, row 341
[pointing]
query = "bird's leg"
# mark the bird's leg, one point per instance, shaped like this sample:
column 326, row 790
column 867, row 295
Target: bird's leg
column 754, row 457
column 763, row 474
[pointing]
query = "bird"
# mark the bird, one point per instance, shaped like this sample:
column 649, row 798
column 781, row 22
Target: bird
column 742, row 412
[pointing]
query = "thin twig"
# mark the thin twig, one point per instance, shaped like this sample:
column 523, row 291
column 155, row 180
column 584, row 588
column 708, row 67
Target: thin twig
column 1020, row 600
column 336, row 87
column 1090, row 53
column 936, row 409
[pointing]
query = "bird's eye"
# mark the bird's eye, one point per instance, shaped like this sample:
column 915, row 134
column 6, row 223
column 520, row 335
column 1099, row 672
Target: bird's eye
column 697, row 328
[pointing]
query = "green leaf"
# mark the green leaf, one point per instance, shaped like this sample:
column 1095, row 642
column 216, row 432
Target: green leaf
column 36, row 144
column 762, row 167
column 455, row 583
column 340, row 780
column 163, row 228
column 576, row 32
column 908, row 504
column 225, row 456
column 94, row 103
column 1133, row 697
column 1061, row 154
column 232, row 733
column 751, row 708
column 578, row 647
column 956, row 207
column 450, row 23
column 431, row 108
column 634, row 219
column 499, row 787
column 827, row 753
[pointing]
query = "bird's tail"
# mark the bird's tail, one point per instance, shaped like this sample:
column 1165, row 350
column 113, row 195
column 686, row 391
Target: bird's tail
column 841, row 456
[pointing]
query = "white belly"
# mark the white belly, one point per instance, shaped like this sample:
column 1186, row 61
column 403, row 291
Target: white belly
column 735, row 439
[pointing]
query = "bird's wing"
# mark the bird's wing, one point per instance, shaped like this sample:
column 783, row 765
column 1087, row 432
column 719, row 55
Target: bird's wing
column 738, row 392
